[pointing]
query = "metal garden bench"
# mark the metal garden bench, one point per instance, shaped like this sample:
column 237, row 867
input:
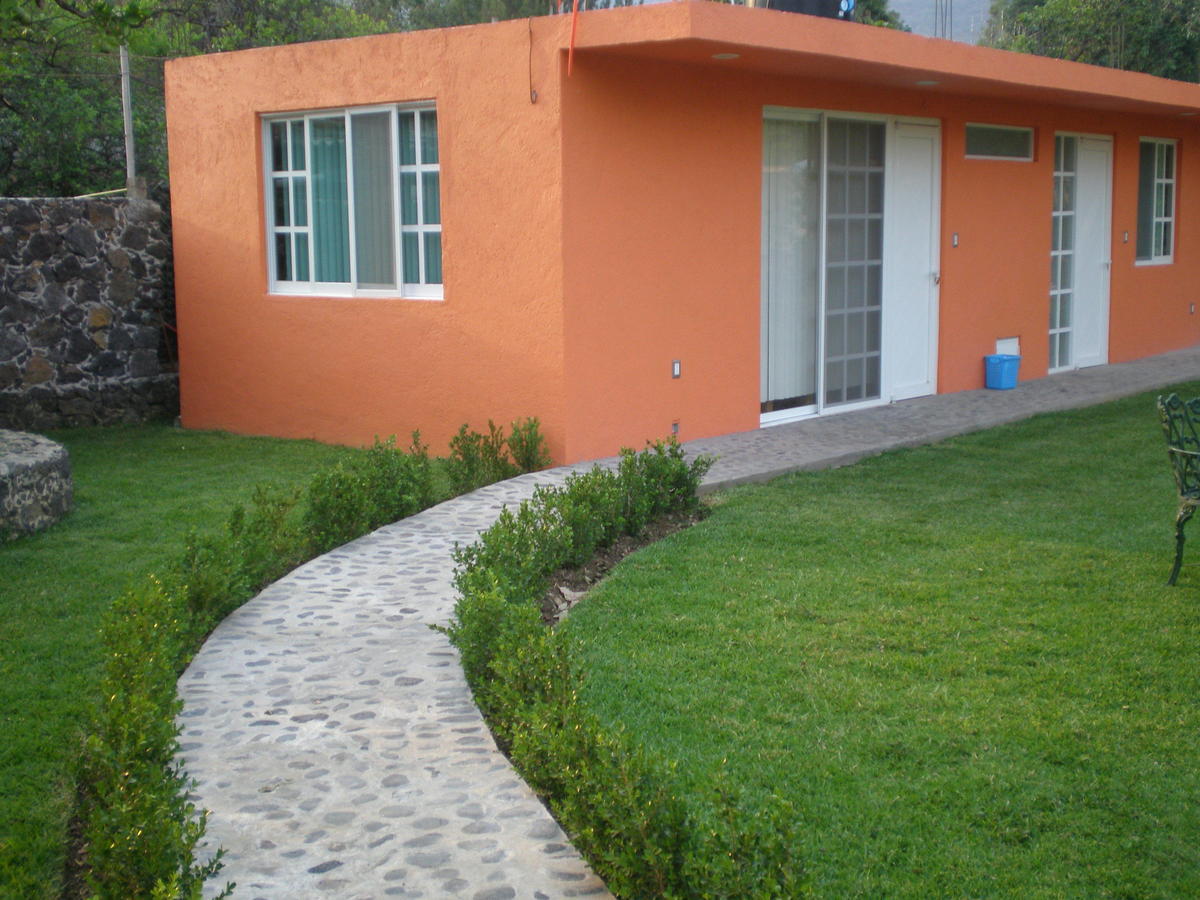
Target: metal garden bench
column 1180, row 419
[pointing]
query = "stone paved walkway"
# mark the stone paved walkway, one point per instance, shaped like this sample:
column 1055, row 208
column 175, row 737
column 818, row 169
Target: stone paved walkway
column 332, row 734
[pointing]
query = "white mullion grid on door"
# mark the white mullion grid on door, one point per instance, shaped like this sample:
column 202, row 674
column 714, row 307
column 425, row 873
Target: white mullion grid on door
column 1062, row 254
column 860, row 359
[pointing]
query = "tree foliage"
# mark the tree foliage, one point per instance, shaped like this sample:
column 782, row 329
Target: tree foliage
column 1159, row 37
column 878, row 12
column 61, row 130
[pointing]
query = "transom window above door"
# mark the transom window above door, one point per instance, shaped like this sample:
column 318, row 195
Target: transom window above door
column 354, row 202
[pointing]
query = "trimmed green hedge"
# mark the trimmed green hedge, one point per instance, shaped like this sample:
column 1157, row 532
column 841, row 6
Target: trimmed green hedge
column 616, row 801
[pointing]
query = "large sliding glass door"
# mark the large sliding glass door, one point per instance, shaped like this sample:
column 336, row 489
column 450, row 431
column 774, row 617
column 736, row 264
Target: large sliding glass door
column 823, row 307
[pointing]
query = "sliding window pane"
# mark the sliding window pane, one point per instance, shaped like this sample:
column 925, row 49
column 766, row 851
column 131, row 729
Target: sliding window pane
column 1145, row 225
column 374, row 241
column 331, row 210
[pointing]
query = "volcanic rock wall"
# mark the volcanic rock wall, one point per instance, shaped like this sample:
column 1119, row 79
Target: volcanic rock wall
column 85, row 313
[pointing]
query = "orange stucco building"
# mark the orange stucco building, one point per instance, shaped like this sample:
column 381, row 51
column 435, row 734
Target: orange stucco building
column 723, row 217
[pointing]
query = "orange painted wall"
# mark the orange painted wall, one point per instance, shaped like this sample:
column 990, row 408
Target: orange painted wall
column 345, row 370
column 613, row 226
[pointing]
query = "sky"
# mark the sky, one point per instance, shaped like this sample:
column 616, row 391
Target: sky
column 968, row 16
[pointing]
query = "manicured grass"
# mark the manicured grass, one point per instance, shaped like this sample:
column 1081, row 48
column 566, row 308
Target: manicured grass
column 138, row 491
column 961, row 663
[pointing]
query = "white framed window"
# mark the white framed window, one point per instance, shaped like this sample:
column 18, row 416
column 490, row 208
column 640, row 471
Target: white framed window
column 1156, row 201
column 354, row 202
column 999, row 142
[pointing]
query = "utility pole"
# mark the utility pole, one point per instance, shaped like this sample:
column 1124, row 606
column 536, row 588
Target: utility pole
column 127, row 114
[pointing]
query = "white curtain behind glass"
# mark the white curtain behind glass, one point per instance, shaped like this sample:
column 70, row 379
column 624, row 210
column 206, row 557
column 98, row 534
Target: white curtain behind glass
column 791, row 230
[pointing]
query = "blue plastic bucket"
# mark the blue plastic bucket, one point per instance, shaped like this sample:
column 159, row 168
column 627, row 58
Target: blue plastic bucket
column 1000, row 371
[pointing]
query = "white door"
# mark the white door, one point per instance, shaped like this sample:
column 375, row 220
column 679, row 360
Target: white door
column 1079, row 253
column 1093, row 249
column 910, row 262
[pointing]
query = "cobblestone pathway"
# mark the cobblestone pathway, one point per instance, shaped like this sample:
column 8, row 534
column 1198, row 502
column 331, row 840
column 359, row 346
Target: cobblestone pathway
column 333, row 735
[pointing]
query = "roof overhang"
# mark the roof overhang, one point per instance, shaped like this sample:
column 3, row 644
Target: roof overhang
column 736, row 37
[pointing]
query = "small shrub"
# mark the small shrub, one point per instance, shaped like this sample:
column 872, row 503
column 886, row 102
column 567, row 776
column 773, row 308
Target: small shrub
column 265, row 537
column 140, row 829
column 738, row 848
column 516, row 554
column 592, row 507
column 205, row 577
column 358, row 495
column 527, row 446
column 657, row 481
column 478, row 459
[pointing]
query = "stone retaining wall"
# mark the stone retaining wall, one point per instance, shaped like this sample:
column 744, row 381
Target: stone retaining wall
column 84, row 301
column 35, row 483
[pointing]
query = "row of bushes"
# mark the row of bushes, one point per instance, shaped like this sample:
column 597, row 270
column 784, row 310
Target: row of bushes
column 139, row 829
column 616, row 800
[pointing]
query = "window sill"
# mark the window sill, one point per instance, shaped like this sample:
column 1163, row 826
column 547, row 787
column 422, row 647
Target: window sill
column 359, row 295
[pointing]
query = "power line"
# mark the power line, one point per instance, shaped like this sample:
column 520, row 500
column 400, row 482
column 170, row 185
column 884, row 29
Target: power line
column 943, row 19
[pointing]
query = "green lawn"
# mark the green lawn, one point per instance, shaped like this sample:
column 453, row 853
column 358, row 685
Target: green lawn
column 961, row 663
column 138, row 490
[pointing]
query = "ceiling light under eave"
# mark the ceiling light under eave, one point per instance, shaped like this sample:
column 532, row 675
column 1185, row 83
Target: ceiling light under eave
column 926, row 83
column 727, row 56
